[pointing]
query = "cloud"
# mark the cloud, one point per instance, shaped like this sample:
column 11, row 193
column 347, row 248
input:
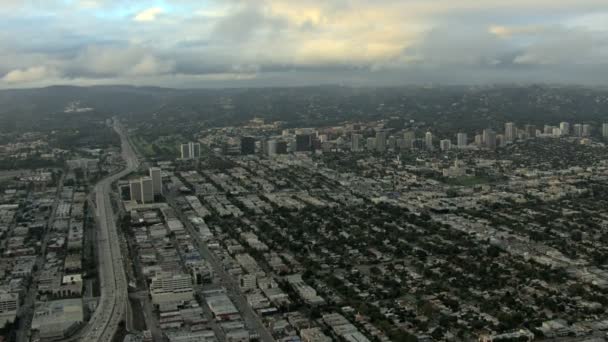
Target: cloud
column 149, row 14
column 31, row 74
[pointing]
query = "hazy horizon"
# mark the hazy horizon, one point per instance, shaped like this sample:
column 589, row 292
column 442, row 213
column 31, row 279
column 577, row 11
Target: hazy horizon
column 241, row 43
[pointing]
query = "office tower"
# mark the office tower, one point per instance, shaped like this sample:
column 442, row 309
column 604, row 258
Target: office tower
column 195, row 150
column 271, row 147
column 185, row 150
column 409, row 138
column 510, row 132
column 548, row 129
column 281, row 147
column 565, row 128
column 370, row 144
column 135, row 190
column 381, row 141
column 605, row 130
column 489, row 138
column 586, row 130
column 428, row 140
column 157, row 181
column 501, row 141
column 578, row 130
column 391, row 142
column 478, row 140
column 461, row 140
column 556, row 132
column 445, row 144
column 356, row 142
column 303, row 143
column 530, row 131
column 247, row 145
column 147, row 190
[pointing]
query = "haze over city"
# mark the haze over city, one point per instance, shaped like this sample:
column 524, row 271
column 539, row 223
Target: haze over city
column 235, row 43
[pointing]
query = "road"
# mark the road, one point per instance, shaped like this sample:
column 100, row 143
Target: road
column 113, row 302
column 251, row 319
column 26, row 311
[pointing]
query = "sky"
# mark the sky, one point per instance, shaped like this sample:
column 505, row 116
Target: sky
column 233, row 43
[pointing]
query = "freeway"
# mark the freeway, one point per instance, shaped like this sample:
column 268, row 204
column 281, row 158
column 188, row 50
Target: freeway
column 113, row 303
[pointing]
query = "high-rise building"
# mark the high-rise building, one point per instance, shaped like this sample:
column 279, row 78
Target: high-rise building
column 578, row 130
column 185, row 150
column 381, row 141
column 605, row 130
column 530, row 131
column 548, row 129
column 461, row 140
column 556, row 132
column 370, row 144
column 281, row 147
column 428, row 140
column 147, row 190
column 478, row 140
column 587, row 130
column 565, row 128
column 391, row 142
column 445, row 144
column 501, row 141
column 303, row 142
column 135, row 190
column 195, row 150
column 409, row 137
column 489, row 138
column 510, row 132
column 271, row 147
column 356, row 140
column 157, row 181
column 247, row 145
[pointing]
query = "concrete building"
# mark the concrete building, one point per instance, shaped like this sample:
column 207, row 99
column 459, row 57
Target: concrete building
column 510, row 132
column 565, row 128
column 247, row 145
column 303, row 142
column 428, row 140
column 170, row 290
column 185, row 151
column 461, row 140
column 489, row 138
column 58, row 319
column 587, row 130
column 271, row 147
column 530, row 131
column 578, row 130
column 445, row 145
column 370, row 144
column 9, row 305
column 157, row 181
column 408, row 138
column 605, row 130
column 381, row 141
column 147, row 190
column 356, row 142
column 135, row 190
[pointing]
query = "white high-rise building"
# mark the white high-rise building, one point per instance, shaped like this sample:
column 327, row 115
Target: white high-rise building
column 157, row 180
column 605, row 130
column 428, row 140
column 356, row 140
column 185, row 150
column 586, row 130
column 578, row 130
column 135, row 190
column 445, row 144
column 557, row 132
column 271, row 146
column 565, row 128
column 510, row 132
column 461, row 140
column 195, row 150
column 147, row 190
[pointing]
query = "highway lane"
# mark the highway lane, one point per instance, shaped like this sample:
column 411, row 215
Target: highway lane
column 113, row 302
